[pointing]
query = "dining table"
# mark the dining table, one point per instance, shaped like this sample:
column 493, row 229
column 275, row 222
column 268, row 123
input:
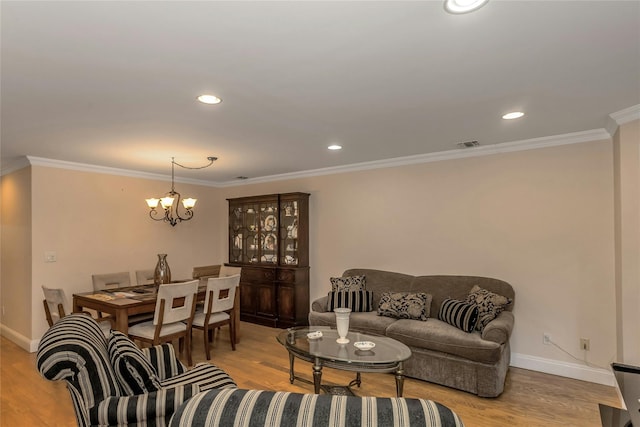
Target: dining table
column 122, row 303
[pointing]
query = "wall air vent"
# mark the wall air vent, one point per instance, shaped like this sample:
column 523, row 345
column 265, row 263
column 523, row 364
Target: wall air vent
column 468, row 144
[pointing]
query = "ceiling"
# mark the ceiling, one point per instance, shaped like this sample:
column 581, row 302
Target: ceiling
column 114, row 84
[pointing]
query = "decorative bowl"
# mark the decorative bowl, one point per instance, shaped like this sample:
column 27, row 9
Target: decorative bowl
column 364, row 345
column 314, row 335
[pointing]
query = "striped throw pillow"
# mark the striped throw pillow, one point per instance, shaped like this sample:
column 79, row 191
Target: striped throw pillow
column 459, row 314
column 357, row 301
column 135, row 374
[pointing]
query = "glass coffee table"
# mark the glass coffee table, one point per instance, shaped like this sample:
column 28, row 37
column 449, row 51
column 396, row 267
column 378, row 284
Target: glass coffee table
column 388, row 355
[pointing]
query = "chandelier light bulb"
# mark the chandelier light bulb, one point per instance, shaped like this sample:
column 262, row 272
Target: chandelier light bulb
column 189, row 203
column 166, row 202
column 153, row 202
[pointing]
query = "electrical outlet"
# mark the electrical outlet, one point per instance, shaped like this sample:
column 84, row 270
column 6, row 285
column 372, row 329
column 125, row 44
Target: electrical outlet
column 546, row 338
column 584, row 344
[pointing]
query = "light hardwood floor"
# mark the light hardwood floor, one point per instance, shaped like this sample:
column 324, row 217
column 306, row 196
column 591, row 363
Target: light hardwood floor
column 530, row 398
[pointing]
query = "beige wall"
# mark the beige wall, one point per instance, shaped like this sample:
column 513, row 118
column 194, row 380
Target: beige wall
column 627, row 205
column 99, row 223
column 541, row 219
column 15, row 258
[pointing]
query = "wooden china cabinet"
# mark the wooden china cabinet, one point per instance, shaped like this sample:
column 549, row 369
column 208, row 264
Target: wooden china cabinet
column 269, row 239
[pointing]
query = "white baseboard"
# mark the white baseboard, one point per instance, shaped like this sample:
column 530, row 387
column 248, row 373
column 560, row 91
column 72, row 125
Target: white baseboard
column 23, row 342
column 563, row 369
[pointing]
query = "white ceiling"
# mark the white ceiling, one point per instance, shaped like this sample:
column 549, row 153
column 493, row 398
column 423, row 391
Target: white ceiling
column 114, row 83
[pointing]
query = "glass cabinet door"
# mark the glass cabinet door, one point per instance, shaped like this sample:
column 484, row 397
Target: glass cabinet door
column 289, row 222
column 269, row 233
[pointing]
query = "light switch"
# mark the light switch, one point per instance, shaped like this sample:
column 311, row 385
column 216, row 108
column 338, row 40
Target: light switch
column 50, row 256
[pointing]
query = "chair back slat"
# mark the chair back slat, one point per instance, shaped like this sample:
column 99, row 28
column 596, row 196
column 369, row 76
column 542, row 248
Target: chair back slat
column 170, row 293
column 221, row 293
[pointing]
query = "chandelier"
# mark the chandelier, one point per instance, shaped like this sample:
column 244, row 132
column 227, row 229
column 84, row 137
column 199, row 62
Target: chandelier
column 170, row 203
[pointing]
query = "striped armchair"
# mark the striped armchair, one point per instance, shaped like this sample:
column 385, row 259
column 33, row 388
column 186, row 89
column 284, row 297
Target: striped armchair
column 76, row 350
column 237, row 407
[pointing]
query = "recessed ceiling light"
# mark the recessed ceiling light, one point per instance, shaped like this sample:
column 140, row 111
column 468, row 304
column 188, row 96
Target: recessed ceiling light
column 209, row 99
column 513, row 115
column 335, row 147
column 463, row 6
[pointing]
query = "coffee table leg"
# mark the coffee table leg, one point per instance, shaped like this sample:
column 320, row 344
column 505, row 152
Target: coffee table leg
column 291, row 374
column 317, row 375
column 399, row 380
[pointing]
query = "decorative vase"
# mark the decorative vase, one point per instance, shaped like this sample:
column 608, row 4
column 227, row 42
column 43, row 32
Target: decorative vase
column 162, row 273
column 342, row 324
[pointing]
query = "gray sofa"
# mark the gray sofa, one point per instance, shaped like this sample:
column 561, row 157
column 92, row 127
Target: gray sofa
column 476, row 362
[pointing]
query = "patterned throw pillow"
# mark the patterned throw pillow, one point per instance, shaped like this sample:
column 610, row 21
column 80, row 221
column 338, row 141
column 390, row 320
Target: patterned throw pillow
column 459, row 314
column 405, row 305
column 357, row 301
column 349, row 283
column 135, row 373
column 489, row 305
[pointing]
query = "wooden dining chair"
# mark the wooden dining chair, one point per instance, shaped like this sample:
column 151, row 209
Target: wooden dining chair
column 218, row 310
column 226, row 271
column 145, row 277
column 54, row 303
column 173, row 317
column 110, row 281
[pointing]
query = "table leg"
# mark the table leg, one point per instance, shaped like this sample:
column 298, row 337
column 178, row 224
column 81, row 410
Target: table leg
column 291, row 374
column 122, row 320
column 357, row 381
column 399, row 380
column 317, row 375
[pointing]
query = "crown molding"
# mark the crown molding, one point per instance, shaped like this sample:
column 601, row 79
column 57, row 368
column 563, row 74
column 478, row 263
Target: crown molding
column 483, row 150
column 15, row 165
column 621, row 117
column 460, row 153
column 82, row 167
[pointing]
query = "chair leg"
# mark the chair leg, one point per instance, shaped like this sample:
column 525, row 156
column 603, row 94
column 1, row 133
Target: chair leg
column 232, row 334
column 207, row 351
column 188, row 345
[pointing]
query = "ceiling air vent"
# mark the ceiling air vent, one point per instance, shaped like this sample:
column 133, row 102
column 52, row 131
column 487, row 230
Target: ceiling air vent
column 468, row 144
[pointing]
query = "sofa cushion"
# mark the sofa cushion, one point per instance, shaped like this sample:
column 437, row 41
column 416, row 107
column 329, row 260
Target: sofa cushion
column 368, row 322
column 350, row 283
column 133, row 370
column 279, row 408
column 405, row 305
column 437, row 335
column 460, row 314
column 489, row 305
column 357, row 301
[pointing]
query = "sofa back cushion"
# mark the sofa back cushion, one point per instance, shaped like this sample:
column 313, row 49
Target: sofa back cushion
column 135, row 373
column 379, row 281
column 459, row 287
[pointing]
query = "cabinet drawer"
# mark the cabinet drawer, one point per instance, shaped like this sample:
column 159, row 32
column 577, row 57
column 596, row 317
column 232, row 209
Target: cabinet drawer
column 258, row 274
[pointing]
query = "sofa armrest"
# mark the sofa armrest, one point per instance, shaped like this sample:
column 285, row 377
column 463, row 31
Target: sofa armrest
column 153, row 408
column 499, row 329
column 320, row 305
